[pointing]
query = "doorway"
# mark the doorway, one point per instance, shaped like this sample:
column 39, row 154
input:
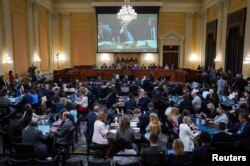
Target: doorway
column 171, row 56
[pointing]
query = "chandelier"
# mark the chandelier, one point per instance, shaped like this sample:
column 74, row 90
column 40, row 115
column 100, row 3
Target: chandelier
column 126, row 13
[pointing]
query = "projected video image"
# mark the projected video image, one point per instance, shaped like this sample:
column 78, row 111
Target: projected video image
column 139, row 35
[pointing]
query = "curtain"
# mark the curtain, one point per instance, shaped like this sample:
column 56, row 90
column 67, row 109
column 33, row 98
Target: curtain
column 234, row 51
column 210, row 51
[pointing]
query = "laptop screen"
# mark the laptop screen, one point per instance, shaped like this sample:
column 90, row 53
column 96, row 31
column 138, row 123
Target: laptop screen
column 12, row 99
column 44, row 128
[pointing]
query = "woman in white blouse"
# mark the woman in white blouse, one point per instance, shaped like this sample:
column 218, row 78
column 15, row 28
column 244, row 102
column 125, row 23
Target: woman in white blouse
column 186, row 135
column 82, row 101
column 100, row 130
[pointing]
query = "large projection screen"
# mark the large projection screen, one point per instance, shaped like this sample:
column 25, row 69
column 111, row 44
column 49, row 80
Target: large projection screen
column 139, row 35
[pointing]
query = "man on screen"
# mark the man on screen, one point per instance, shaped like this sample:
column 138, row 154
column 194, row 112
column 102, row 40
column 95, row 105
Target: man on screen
column 126, row 34
column 104, row 33
column 151, row 29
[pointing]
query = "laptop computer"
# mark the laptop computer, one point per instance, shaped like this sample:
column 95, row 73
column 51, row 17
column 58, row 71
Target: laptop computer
column 45, row 129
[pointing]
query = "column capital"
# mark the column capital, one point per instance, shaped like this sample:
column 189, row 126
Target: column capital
column 219, row 5
column 201, row 13
column 226, row 3
column 189, row 15
column 30, row 3
column 36, row 5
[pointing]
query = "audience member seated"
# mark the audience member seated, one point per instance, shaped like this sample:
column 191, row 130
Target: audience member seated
column 61, row 134
column 27, row 98
column 112, row 113
column 15, row 129
column 91, row 118
column 131, row 102
column 213, row 97
column 172, row 118
column 82, row 102
column 127, row 133
column 31, row 135
column 151, row 109
column 144, row 99
column 169, row 108
column 124, row 149
column 184, row 113
column 155, row 154
column 201, row 155
column 210, row 112
column 221, row 117
column 241, row 133
column 143, row 120
column 154, row 126
column 222, row 136
column 186, row 134
column 179, row 157
column 196, row 101
column 72, row 111
column 100, row 130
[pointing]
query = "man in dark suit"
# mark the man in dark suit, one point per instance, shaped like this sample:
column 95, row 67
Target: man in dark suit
column 144, row 99
column 15, row 128
column 151, row 29
column 3, row 82
column 32, row 135
column 241, row 133
column 62, row 133
column 91, row 118
column 104, row 33
column 143, row 120
column 27, row 98
column 222, row 135
column 155, row 154
column 130, row 103
column 200, row 155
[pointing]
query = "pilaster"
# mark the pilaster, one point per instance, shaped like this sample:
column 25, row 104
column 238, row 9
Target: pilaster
column 188, row 38
column 66, row 34
column 8, row 32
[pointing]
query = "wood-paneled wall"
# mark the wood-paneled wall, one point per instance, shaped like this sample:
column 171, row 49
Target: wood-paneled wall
column 43, row 38
column 18, row 10
column 83, row 38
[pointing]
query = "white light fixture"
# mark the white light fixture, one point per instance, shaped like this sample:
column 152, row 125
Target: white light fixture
column 127, row 13
column 8, row 59
column 193, row 58
column 37, row 58
column 247, row 60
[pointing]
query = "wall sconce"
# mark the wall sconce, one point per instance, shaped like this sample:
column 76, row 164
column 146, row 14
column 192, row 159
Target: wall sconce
column 37, row 58
column 193, row 58
column 8, row 60
column 247, row 60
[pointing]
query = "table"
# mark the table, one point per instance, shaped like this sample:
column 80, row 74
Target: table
column 209, row 129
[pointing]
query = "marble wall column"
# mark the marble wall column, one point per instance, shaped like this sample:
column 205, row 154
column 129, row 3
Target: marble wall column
column 199, row 36
column 204, row 37
column 219, row 34
column 246, row 67
column 224, row 33
column 188, row 37
column 8, row 33
column 66, row 34
column 51, row 43
column 31, row 32
column 36, row 30
column 55, row 38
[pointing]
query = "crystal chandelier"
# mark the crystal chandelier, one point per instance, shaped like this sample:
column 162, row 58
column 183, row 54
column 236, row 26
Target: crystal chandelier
column 127, row 13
